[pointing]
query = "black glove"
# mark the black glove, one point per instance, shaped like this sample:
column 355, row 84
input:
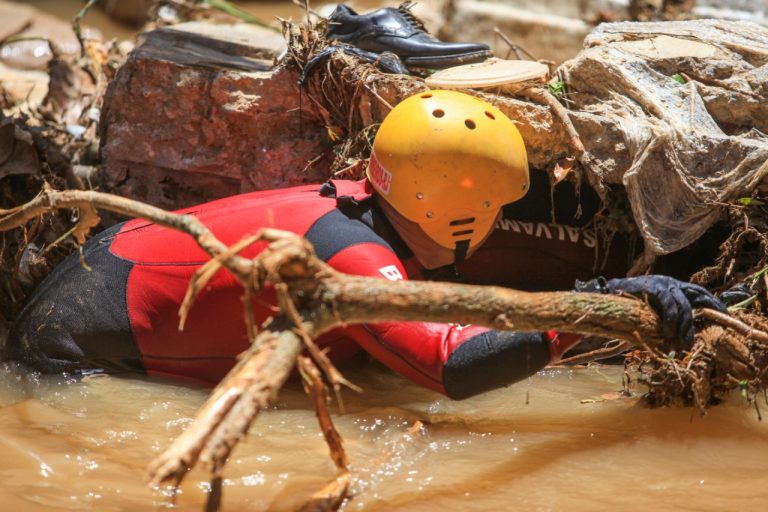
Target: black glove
column 736, row 294
column 672, row 300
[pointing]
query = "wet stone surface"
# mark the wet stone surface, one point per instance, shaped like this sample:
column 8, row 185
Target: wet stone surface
column 199, row 112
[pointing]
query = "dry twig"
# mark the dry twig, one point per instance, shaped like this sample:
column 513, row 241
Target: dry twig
column 544, row 97
column 598, row 354
column 333, row 494
column 735, row 324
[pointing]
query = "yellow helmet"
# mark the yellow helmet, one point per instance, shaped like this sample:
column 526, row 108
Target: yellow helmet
column 448, row 162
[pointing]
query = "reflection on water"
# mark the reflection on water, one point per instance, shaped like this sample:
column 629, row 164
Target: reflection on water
column 84, row 445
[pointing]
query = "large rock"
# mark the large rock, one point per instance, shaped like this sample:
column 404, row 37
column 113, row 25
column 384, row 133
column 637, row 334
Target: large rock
column 198, row 112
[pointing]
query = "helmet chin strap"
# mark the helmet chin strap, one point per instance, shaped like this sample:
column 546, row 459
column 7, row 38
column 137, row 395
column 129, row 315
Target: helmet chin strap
column 460, row 252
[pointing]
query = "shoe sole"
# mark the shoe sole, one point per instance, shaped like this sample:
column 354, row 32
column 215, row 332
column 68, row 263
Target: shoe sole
column 445, row 61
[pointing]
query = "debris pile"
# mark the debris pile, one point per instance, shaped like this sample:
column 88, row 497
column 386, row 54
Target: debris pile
column 52, row 144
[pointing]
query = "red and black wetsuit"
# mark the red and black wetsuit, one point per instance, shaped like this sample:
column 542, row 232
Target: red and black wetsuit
column 122, row 314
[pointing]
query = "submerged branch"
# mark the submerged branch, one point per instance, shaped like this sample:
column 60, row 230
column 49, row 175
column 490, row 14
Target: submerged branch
column 249, row 387
column 313, row 385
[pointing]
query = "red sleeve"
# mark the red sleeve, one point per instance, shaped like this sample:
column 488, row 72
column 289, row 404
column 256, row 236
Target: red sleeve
column 416, row 350
column 456, row 360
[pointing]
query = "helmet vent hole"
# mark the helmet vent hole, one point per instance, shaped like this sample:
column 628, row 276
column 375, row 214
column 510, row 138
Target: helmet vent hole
column 426, row 96
column 490, row 116
column 470, row 124
column 438, row 113
column 464, row 232
column 462, row 222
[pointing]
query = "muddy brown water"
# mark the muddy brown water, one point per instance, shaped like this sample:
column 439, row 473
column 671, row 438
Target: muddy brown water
column 558, row 441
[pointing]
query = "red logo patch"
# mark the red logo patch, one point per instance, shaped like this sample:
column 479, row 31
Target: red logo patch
column 379, row 176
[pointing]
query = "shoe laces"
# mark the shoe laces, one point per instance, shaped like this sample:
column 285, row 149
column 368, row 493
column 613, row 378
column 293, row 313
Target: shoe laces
column 410, row 18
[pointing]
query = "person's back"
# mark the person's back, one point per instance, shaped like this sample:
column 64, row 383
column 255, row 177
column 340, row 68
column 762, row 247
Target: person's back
column 117, row 308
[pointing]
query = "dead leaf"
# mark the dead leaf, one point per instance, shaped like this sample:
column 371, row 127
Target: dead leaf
column 89, row 218
column 69, row 91
column 562, row 168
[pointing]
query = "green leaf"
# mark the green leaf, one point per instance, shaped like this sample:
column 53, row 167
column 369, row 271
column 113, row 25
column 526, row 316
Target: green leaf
column 677, row 77
column 750, row 201
column 557, row 88
column 757, row 275
column 743, row 304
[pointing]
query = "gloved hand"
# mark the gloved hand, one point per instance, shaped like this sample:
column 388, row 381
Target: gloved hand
column 736, row 294
column 672, row 300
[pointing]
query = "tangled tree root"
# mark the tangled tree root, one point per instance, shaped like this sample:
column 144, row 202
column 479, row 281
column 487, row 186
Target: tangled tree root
column 720, row 361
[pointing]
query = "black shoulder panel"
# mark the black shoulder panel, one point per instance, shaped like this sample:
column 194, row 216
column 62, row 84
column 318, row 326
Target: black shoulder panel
column 337, row 230
column 565, row 204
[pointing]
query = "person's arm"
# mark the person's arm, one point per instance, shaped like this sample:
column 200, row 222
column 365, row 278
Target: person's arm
column 672, row 299
column 456, row 360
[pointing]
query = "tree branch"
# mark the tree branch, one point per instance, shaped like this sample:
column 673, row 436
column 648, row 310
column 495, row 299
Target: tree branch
column 86, row 200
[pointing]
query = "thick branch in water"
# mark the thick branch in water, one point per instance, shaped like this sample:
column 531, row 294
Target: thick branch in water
column 326, row 298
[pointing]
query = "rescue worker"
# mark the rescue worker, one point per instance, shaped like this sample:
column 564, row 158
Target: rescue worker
column 443, row 166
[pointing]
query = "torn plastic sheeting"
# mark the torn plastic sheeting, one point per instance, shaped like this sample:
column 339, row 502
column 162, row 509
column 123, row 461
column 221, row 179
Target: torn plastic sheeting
column 680, row 163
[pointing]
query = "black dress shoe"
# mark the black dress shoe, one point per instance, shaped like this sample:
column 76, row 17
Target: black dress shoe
column 399, row 32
